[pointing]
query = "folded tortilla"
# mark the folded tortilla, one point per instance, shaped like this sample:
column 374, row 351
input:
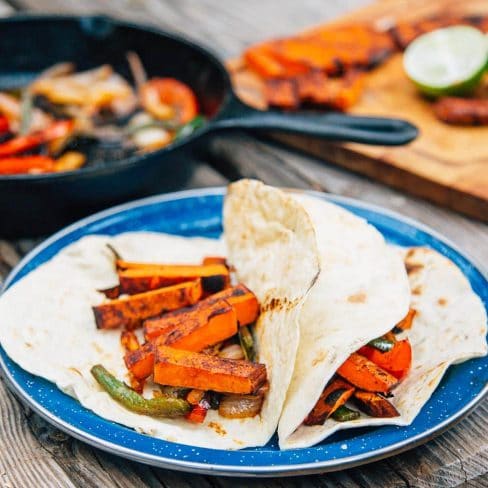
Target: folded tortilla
column 47, row 324
column 361, row 292
column 449, row 327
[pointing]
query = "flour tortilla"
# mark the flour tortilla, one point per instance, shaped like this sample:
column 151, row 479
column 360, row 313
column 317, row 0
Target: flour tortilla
column 47, row 325
column 361, row 292
column 449, row 327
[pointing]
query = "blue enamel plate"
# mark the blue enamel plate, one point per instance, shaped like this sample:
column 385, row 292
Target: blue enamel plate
column 198, row 213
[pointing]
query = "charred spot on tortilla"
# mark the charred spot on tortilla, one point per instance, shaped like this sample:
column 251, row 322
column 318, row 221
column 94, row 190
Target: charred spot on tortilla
column 442, row 302
column 217, row 428
column 321, row 356
column 357, row 298
column 413, row 268
column 417, row 290
column 75, row 370
column 276, row 304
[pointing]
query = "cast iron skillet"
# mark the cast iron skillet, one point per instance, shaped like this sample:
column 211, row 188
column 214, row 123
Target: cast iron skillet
column 34, row 204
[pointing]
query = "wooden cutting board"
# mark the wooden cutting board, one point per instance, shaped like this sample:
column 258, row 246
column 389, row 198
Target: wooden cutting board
column 446, row 164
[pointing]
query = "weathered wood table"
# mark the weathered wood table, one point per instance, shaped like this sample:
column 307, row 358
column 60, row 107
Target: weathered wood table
column 34, row 454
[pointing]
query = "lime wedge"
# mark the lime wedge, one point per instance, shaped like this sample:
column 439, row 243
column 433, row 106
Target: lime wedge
column 448, row 61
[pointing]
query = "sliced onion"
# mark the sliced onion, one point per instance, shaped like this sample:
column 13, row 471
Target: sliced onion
column 240, row 406
column 234, row 351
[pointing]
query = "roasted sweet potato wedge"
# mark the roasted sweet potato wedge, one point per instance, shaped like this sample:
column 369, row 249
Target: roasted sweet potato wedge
column 129, row 340
column 141, row 361
column 262, row 60
column 338, row 93
column 175, row 367
column 462, row 111
column 366, row 375
column 137, row 278
column 282, row 93
column 242, row 299
column 374, row 405
column 215, row 260
column 397, row 361
column 405, row 32
column 112, row 292
column 194, row 328
column 405, row 323
column 335, row 394
column 129, row 312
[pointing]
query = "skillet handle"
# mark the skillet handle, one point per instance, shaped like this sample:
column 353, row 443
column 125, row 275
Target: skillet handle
column 328, row 126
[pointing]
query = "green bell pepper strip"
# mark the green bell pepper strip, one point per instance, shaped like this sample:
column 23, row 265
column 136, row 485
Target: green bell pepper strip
column 127, row 397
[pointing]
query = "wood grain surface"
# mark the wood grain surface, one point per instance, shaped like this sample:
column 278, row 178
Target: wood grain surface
column 446, row 164
column 34, row 454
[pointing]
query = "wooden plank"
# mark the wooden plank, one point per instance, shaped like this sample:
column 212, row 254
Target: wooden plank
column 446, row 164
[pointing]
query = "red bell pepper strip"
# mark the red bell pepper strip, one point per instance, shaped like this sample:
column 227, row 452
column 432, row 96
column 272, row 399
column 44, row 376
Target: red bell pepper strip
column 18, row 144
column 26, row 164
column 4, row 125
column 198, row 412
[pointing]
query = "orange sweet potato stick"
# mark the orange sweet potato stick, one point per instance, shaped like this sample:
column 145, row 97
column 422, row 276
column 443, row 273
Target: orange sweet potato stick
column 195, row 329
column 129, row 312
column 406, row 323
column 140, row 277
column 174, row 367
column 215, row 260
column 335, row 394
column 141, row 361
column 282, row 93
column 396, row 361
column 364, row 374
column 129, row 340
column 242, row 300
column 374, row 404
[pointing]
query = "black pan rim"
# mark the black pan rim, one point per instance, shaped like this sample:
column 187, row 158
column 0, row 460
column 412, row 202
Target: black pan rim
column 139, row 159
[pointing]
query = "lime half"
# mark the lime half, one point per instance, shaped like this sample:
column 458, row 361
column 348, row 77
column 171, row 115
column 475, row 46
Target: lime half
column 448, row 61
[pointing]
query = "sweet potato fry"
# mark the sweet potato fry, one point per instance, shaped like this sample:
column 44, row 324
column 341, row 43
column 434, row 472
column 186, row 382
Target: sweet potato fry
column 282, row 93
column 175, row 367
column 112, row 292
column 308, row 52
column 397, row 361
column 404, row 33
column 129, row 312
column 262, row 60
column 140, row 362
column 374, row 404
column 462, row 111
column 194, row 328
column 406, row 322
column 364, row 374
column 335, row 394
column 129, row 340
column 138, row 278
column 215, row 260
column 338, row 93
column 242, row 299
column 195, row 396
